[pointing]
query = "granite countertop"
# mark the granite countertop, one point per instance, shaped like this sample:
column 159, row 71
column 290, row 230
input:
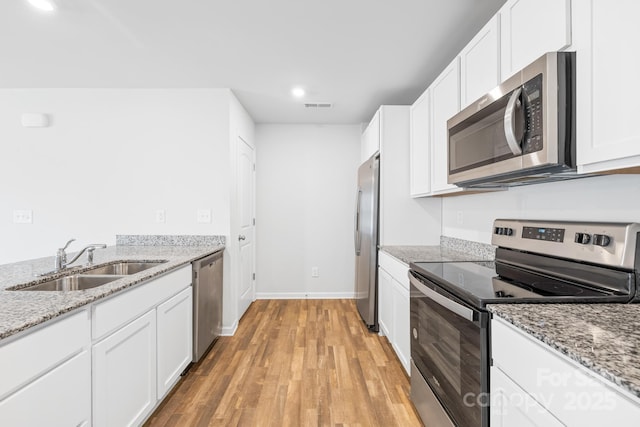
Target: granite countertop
column 450, row 249
column 604, row 338
column 20, row 310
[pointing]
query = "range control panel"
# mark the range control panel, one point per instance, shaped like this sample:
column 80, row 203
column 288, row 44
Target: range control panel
column 602, row 243
column 543, row 233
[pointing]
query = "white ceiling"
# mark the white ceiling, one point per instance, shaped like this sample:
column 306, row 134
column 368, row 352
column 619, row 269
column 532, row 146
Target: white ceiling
column 357, row 54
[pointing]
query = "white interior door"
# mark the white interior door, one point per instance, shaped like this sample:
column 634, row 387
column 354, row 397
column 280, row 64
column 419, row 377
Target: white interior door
column 246, row 227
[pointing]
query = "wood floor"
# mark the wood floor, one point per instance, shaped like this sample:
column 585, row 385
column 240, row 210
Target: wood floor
column 294, row 363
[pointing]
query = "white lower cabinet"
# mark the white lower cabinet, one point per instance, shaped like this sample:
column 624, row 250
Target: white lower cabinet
column 61, row 397
column 45, row 376
column 142, row 342
column 174, row 320
column 109, row 364
column 393, row 305
column 534, row 385
column 124, row 374
column 401, row 317
column 385, row 303
column 511, row 406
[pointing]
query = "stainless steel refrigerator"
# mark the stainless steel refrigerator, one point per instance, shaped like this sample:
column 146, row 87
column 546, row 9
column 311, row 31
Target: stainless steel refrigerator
column 366, row 241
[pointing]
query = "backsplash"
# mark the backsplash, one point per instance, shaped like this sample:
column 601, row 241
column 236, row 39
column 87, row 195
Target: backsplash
column 168, row 240
column 482, row 250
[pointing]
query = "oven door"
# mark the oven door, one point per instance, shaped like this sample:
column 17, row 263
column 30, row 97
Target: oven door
column 449, row 347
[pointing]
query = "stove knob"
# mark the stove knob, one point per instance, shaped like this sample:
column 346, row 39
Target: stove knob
column 499, row 231
column 601, row 239
column 508, row 231
column 583, row 238
column 499, row 294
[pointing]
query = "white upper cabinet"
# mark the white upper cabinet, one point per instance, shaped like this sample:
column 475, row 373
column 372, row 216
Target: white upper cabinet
column 606, row 37
column 480, row 63
column 420, row 147
column 530, row 28
column 445, row 102
column 370, row 142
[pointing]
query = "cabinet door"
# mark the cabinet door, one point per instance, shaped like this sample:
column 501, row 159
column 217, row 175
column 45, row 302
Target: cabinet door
column 61, row 397
column 530, row 28
column 385, row 305
column 445, row 102
column 420, row 147
column 607, row 33
column 371, row 138
column 511, row 406
column 480, row 63
column 401, row 323
column 175, row 325
column 124, row 374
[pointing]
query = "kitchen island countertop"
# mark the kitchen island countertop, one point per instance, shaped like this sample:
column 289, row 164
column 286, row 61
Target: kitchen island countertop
column 604, row 338
column 21, row 310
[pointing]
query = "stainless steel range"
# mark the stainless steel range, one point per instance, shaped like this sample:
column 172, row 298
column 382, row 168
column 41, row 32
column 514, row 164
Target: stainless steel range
column 536, row 262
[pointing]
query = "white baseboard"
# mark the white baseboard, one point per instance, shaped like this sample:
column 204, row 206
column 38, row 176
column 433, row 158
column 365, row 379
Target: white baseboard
column 228, row 331
column 305, row 295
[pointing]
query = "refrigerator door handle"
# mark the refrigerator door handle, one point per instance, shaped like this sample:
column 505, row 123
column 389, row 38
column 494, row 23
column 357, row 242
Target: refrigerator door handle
column 356, row 226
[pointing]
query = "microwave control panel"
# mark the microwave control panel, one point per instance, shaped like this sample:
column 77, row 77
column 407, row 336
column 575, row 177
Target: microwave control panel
column 532, row 97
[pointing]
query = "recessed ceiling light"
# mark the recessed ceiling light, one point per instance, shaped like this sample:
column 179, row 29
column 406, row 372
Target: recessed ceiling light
column 46, row 5
column 298, row 92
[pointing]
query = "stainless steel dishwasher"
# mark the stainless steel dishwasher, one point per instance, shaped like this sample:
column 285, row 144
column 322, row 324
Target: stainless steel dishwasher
column 207, row 303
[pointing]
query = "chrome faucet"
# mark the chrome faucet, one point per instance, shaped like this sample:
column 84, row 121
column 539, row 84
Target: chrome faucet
column 61, row 255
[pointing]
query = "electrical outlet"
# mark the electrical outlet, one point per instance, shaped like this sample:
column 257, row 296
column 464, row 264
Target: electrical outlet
column 459, row 217
column 203, row 215
column 314, row 272
column 161, row 216
column 23, row 216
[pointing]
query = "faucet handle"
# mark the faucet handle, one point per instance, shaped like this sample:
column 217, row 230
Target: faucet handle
column 92, row 247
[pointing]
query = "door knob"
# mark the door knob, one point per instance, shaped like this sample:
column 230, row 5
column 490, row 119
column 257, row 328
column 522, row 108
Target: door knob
column 241, row 237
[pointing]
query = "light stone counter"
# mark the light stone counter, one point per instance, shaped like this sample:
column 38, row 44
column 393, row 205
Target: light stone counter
column 450, row 249
column 20, row 310
column 604, row 338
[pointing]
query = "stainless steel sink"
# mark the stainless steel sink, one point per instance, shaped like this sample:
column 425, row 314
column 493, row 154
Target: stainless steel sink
column 94, row 277
column 124, row 267
column 77, row 282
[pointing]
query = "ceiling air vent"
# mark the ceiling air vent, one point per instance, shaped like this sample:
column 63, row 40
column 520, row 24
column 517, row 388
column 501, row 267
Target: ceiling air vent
column 318, row 105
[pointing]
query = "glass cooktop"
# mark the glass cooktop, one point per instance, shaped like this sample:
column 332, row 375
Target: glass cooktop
column 480, row 284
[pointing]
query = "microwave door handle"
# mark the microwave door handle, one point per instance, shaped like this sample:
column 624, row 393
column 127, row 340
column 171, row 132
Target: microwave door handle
column 445, row 302
column 509, row 123
column 356, row 226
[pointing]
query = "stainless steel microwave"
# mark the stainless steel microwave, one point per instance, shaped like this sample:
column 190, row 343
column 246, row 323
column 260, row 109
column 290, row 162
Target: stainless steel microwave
column 521, row 132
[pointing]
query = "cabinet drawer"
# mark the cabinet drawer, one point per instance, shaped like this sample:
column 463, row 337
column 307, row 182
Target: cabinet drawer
column 124, row 307
column 28, row 357
column 59, row 398
column 572, row 393
column 397, row 269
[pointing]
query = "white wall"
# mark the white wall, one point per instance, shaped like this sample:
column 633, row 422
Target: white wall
column 605, row 198
column 109, row 160
column 306, row 177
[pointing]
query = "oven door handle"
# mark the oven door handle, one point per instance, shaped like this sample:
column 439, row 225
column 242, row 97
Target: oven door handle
column 441, row 300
